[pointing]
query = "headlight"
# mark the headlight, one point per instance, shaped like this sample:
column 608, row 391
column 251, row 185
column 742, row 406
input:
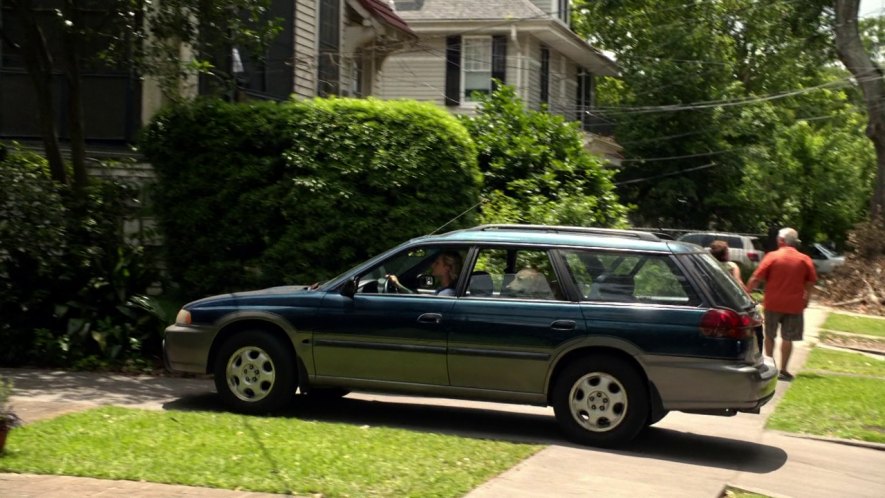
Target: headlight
column 183, row 318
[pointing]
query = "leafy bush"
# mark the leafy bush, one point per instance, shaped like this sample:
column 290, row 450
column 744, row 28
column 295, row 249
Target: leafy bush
column 67, row 274
column 536, row 169
column 260, row 194
column 33, row 243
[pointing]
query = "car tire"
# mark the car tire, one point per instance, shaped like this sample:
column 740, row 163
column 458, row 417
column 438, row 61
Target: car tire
column 255, row 373
column 652, row 420
column 601, row 401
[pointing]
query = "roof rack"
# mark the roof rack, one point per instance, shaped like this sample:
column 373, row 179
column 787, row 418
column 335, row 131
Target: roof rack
column 569, row 229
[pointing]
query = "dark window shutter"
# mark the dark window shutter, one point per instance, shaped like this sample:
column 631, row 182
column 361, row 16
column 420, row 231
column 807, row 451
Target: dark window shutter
column 545, row 75
column 453, row 70
column 579, row 96
column 499, row 59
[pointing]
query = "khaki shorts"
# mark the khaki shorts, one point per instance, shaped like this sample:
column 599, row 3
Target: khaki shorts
column 791, row 326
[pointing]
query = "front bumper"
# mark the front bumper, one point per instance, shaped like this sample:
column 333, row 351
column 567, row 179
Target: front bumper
column 186, row 348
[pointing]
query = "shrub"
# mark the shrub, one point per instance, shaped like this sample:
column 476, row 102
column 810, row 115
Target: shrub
column 536, row 169
column 261, row 194
column 66, row 272
column 32, row 247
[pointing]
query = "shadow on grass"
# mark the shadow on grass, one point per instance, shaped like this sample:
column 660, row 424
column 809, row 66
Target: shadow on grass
column 653, row 444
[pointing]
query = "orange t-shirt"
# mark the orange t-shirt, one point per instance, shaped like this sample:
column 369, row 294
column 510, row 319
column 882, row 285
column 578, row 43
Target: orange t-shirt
column 785, row 272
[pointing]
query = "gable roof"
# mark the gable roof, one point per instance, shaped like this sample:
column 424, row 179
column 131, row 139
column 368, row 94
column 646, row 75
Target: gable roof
column 383, row 11
column 451, row 10
column 502, row 16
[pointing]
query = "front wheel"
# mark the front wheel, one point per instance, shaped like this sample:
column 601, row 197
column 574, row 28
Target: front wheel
column 255, row 373
column 601, row 401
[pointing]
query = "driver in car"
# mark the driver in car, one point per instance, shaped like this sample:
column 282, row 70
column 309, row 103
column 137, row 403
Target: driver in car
column 445, row 268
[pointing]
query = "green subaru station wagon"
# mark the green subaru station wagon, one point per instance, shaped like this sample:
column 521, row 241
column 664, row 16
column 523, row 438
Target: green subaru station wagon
column 612, row 328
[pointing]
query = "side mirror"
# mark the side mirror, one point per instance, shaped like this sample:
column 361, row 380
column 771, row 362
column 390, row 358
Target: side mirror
column 349, row 288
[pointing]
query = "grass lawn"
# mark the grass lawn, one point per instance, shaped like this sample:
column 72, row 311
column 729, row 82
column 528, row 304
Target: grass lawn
column 855, row 324
column 267, row 454
column 845, row 362
column 841, row 404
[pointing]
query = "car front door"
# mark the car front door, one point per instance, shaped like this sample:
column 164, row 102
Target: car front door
column 510, row 320
column 391, row 331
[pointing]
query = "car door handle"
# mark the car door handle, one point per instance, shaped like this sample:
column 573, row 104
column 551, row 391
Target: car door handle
column 563, row 325
column 430, row 318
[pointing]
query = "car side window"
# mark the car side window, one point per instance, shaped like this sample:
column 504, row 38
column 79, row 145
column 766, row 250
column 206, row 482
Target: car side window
column 512, row 273
column 414, row 272
column 638, row 278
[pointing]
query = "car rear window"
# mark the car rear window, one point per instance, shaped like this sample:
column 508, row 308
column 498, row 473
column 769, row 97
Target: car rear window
column 726, row 291
column 631, row 278
column 734, row 242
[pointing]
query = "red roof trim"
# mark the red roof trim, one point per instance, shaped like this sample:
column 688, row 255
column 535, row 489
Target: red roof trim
column 381, row 10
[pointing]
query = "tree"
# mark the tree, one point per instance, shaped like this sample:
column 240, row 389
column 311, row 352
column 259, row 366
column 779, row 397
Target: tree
column 68, row 36
column 868, row 75
column 535, row 168
column 734, row 96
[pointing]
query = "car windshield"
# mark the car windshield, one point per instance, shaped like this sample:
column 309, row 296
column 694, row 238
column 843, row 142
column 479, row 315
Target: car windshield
column 727, row 291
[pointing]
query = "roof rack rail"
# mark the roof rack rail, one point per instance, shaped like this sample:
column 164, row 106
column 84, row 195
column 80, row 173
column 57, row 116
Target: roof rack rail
column 570, row 229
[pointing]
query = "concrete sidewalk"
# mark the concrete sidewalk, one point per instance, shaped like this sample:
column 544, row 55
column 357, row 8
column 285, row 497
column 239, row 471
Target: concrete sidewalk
column 683, row 455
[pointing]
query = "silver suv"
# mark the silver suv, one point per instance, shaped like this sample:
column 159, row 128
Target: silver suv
column 745, row 250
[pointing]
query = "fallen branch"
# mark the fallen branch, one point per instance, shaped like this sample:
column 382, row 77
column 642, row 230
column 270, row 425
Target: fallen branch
column 872, row 292
column 850, row 302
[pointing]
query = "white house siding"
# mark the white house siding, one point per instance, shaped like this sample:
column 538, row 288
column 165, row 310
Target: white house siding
column 416, row 73
column 569, row 99
column 305, row 48
column 561, row 100
column 532, row 94
column 546, row 6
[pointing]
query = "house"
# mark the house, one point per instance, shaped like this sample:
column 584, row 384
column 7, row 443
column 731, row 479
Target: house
column 463, row 45
column 325, row 47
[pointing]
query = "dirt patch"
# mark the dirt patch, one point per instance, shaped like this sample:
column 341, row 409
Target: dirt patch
column 858, row 285
column 851, row 341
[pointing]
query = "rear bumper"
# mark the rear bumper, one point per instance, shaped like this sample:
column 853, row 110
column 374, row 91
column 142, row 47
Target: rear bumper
column 706, row 384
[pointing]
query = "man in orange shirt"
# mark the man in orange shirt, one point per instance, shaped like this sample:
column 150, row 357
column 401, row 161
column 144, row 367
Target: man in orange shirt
column 789, row 279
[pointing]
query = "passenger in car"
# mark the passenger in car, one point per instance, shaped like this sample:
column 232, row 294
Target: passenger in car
column 530, row 283
column 719, row 250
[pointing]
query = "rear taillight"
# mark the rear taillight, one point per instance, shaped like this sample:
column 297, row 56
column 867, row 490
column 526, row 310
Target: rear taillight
column 753, row 256
column 727, row 324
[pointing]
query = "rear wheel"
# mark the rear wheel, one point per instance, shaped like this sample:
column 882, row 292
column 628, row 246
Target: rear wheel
column 601, row 401
column 255, row 373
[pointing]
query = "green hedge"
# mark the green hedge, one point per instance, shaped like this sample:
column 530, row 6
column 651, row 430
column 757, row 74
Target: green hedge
column 261, row 194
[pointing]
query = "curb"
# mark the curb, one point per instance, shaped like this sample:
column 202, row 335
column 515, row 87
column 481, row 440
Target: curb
column 847, row 442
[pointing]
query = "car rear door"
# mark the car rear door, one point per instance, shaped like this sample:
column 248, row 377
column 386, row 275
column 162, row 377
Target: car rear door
column 511, row 318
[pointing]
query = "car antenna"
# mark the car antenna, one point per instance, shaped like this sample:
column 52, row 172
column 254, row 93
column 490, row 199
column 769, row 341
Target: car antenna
column 471, row 208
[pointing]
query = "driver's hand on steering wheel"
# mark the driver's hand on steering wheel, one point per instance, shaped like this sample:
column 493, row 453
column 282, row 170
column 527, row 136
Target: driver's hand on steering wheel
column 393, row 279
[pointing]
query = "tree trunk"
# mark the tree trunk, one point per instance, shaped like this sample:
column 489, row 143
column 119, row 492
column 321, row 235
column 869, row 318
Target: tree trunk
column 75, row 102
column 39, row 65
column 869, row 77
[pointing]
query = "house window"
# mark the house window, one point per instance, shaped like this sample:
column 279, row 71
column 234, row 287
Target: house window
column 328, row 65
column 476, row 67
column 562, row 10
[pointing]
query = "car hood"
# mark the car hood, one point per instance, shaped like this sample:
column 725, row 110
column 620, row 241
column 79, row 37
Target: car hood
column 237, row 298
